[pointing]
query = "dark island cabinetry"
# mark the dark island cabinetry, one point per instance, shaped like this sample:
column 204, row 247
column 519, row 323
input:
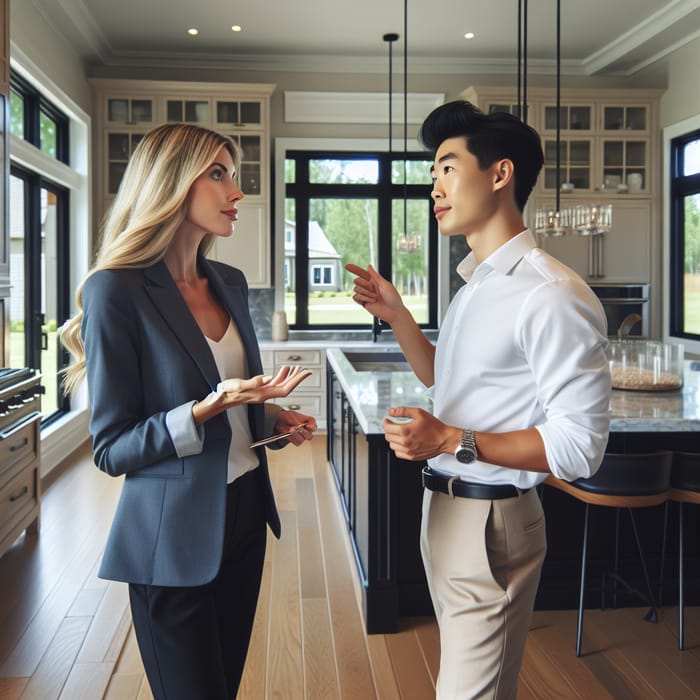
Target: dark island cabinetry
column 381, row 497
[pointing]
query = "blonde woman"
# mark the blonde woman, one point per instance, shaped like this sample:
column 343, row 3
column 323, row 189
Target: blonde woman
column 166, row 342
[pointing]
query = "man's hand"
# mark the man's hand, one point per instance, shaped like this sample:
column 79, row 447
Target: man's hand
column 421, row 438
column 376, row 294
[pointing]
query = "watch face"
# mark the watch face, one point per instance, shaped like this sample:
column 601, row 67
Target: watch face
column 465, row 455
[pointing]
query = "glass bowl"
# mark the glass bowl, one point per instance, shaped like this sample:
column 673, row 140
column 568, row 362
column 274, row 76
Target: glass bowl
column 646, row 365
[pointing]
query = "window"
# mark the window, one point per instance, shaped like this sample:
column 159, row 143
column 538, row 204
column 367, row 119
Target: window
column 34, row 119
column 361, row 207
column 39, row 242
column 684, row 290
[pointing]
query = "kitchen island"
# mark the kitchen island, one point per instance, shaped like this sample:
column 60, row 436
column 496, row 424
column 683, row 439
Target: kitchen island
column 381, row 494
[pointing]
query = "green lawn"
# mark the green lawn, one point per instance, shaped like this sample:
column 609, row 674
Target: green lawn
column 692, row 312
column 342, row 309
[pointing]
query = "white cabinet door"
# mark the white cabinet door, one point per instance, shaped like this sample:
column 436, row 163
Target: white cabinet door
column 248, row 247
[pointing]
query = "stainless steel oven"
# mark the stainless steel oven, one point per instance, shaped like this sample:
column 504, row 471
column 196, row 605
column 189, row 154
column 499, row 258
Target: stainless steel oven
column 621, row 300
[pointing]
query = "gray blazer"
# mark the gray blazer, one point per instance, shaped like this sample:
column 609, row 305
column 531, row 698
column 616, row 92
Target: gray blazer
column 147, row 361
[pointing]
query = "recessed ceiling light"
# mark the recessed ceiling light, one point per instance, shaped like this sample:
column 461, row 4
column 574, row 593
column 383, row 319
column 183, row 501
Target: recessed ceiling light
column 192, row 31
column 469, row 35
column 236, row 28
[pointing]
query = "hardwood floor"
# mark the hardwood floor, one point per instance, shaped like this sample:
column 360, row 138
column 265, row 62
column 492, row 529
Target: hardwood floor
column 66, row 634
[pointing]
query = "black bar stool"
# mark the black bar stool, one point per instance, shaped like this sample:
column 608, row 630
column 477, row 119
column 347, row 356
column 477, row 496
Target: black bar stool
column 685, row 488
column 622, row 481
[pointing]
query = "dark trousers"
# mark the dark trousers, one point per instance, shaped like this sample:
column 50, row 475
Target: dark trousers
column 193, row 641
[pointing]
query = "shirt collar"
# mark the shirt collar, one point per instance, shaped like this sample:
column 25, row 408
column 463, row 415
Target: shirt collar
column 503, row 259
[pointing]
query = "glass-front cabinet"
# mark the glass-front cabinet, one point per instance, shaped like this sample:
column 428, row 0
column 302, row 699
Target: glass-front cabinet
column 128, row 109
column 604, row 148
column 121, row 109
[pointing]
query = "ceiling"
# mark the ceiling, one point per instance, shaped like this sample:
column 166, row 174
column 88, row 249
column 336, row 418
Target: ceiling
column 599, row 37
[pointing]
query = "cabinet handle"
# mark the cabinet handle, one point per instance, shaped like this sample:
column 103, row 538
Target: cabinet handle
column 22, row 492
column 20, row 445
column 293, row 407
column 294, row 358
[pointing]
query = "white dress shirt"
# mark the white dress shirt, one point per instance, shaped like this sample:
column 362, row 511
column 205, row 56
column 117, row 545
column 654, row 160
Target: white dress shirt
column 523, row 345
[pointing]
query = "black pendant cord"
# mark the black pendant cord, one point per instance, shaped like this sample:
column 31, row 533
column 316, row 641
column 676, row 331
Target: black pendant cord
column 558, row 179
column 405, row 112
column 520, row 58
column 523, row 113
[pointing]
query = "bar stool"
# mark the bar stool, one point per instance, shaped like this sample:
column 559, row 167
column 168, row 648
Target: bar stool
column 685, row 488
column 622, row 481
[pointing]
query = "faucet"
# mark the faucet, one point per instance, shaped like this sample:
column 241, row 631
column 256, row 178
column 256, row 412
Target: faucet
column 627, row 323
column 376, row 328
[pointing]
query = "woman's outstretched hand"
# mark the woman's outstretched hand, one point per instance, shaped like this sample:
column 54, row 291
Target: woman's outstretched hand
column 375, row 293
column 258, row 389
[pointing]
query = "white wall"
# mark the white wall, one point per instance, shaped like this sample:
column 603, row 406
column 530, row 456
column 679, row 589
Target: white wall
column 682, row 97
column 50, row 52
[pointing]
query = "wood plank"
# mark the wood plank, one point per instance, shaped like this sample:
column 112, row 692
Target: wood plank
column 543, row 678
column 640, row 642
column 382, row 668
column 428, row 633
column 107, row 623
column 354, row 670
column 414, row 680
column 253, row 682
column 320, row 675
column 285, row 663
column 56, row 665
column 553, row 634
column 87, row 681
column 12, row 688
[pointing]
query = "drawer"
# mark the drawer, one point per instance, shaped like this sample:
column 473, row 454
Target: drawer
column 17, row 446
column 310, row 404
column 298, row 356
column 17, row 499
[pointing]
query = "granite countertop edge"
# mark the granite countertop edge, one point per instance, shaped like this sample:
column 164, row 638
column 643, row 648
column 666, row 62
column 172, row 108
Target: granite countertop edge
column 632, row 412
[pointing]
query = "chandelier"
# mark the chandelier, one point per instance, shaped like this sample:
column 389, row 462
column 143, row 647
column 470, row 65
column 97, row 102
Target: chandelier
column 582, row 219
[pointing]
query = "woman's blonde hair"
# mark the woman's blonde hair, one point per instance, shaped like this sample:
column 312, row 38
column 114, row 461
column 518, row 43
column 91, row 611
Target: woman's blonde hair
column 149, row 207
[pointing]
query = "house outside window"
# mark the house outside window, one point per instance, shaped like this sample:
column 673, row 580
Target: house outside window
column 343, row 207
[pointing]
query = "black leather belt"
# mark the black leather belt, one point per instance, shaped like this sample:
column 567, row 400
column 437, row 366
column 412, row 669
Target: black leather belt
column 453, row 486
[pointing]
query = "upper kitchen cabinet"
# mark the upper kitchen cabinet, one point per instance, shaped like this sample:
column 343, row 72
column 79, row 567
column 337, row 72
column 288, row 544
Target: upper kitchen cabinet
column 608, row 152
column 127, row 109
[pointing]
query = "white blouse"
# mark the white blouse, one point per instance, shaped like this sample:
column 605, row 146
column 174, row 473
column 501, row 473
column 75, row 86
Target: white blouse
column 230, row 359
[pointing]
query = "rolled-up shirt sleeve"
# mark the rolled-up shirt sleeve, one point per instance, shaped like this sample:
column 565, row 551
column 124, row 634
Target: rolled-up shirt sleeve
column 563, row 332
column 187, row 436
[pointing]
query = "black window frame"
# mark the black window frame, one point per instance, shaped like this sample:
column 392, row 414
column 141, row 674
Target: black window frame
column 681, row 186
column 34, row 105
column 385, row 192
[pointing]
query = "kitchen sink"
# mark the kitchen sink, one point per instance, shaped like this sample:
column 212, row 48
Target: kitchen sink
column 377, row 361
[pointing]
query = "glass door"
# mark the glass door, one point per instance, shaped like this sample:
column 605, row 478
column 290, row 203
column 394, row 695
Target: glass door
column 39, row 274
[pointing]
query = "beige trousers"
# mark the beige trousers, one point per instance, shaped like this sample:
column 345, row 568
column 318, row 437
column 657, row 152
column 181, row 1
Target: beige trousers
column 483, row 561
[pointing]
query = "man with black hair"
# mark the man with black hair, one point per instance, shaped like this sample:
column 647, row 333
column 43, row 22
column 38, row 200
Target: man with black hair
column 521, row 389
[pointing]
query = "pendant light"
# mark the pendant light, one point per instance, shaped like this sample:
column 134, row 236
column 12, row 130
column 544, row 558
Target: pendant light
column 583, row 219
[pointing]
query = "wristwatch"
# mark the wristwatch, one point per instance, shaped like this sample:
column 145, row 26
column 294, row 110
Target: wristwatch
column 466, row 452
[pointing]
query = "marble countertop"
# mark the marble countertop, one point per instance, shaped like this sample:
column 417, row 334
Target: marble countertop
column 371, row 393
